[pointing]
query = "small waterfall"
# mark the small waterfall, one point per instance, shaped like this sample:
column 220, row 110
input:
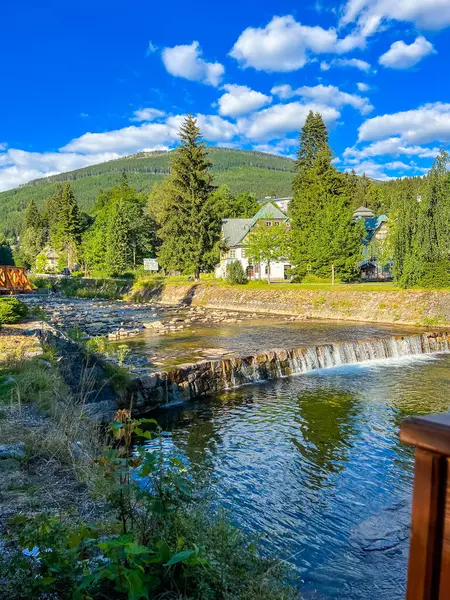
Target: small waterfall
column 282, row 363
column 209, row 377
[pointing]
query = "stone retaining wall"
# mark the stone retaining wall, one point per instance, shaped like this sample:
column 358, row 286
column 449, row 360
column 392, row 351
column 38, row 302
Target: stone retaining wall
column 404, row 307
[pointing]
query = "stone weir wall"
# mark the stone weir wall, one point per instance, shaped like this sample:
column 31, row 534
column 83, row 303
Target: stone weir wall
column 406, row 307
column 207, row 377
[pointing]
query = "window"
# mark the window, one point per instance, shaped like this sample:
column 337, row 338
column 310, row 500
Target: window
column 232, row 253
column 277, row 223
column 268, row 223
column 244, row 253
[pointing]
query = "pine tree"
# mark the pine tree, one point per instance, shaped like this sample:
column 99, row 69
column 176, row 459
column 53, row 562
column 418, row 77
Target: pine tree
column 323, row 232
column 190, row 223
column 313, row 140
column 68, row 227
column 51, row 209
column 32, row 216
column 32, row 238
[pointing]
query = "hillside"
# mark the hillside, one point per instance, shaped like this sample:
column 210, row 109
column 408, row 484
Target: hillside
column 242, row 170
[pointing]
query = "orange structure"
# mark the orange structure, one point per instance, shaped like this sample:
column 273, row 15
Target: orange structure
column 14, row 280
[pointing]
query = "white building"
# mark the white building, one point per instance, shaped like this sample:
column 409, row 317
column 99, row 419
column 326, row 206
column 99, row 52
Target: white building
column 282, row 203
column 234, row 235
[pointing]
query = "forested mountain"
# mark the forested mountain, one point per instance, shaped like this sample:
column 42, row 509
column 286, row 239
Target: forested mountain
column 242, row 170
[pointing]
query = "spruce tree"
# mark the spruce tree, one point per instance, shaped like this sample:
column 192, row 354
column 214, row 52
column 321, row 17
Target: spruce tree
column 323, row 232
column 32, row 238
column 32, row 216
column 190, row 224
column 68, row 227
column 313, row 140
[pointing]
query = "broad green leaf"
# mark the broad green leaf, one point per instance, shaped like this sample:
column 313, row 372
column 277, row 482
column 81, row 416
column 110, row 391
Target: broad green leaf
column 179, row 557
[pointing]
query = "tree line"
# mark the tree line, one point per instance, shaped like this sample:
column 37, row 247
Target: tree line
column 180, row 221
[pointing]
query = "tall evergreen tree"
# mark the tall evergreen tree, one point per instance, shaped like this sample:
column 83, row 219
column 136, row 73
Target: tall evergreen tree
column 32, row 238
column 189, row 221
column 313, row 141
column 323, row 232
column 51, row 209
column 422, row 228
column 68, row 227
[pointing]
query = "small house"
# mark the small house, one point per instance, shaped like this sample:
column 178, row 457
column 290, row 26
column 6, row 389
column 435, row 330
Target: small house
column 234, row 234
column 375, row 264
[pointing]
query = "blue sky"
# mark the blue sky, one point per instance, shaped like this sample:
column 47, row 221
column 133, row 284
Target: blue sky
column 87, row 81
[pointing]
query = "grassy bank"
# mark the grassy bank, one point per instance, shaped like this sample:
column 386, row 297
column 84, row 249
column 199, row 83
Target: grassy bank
column 98, row 520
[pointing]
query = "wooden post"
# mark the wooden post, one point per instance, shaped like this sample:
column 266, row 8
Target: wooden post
column 332, row 274
column 429, row 555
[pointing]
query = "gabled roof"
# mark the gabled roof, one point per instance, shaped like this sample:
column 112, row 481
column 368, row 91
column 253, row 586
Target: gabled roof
column 363, row 212
column 235, row 230
column 268, row 211
column 372, row 225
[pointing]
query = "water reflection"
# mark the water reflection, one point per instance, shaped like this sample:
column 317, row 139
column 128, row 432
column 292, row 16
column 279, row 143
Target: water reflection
column 327, row 423
column 314, row 464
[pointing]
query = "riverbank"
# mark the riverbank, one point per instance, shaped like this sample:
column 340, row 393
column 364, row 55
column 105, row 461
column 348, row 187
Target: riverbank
column 46, row 441
column 370, row 303
column 67, row 485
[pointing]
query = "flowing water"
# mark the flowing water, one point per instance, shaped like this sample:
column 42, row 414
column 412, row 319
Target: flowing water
column 313, row 463
column 214, row 341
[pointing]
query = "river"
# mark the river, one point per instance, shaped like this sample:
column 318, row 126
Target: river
column 313, row 464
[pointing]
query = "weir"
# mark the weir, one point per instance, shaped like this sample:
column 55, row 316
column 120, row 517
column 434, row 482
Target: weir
column 208, row 377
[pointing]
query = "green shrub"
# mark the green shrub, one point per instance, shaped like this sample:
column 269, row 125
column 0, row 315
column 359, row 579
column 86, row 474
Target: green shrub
column 12, row 310
column 235, row 274
column 435, row 275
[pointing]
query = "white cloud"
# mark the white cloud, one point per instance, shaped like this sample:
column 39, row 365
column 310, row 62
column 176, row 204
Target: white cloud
column 284, row 44
column 370, row 14
column 392, row 146
column 327, row 95
column 240, row 100
column 370, row 169
column 284, row 147
column 3, row 146
column 363, row 87
column 429, row 123
column 186, row 61
column 386, row 171
column 357, row 63
column 397, row 165
column 147, row 114
column 18, row 166
column 283, row 91
column 274, row 122
column 124, row 141
column 151, row 48
column 404, row 56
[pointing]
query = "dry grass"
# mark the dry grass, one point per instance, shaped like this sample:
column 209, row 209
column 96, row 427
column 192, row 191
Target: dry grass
column 14, row 344
column 37, row 408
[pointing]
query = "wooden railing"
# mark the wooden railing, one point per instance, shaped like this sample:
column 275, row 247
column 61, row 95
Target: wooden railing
column 429, row 556
column 14, row 280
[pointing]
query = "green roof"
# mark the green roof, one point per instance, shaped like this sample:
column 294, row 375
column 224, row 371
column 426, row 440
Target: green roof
column 235, row 230
column 268, row 211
